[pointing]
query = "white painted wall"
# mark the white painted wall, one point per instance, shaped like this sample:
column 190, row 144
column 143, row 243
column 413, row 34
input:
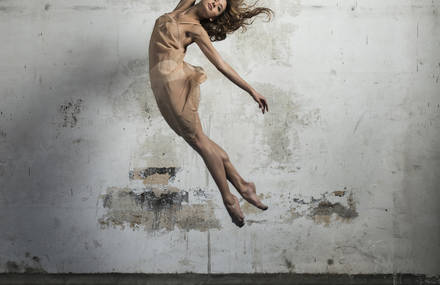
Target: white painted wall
column 354, row 106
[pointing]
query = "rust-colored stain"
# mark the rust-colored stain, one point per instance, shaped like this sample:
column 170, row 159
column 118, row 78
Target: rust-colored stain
column 339, row 193
column 155, row 210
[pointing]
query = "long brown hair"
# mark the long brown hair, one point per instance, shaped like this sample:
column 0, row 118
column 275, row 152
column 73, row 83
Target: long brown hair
column 235, row 16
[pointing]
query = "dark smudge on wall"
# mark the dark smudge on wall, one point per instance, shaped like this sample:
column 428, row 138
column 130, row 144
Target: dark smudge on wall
column 155, row 210
column 321, row 210
column 70, row 110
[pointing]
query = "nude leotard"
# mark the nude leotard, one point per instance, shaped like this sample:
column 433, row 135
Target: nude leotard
column 175, row 83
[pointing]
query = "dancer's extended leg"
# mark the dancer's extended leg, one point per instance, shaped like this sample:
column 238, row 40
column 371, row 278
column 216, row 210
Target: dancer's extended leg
column 214, row 162
column 246, row 189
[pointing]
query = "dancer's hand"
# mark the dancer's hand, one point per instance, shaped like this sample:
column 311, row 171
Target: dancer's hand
column 262, row 102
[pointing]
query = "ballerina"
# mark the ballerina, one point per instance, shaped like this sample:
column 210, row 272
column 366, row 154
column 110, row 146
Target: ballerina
column 176, row 83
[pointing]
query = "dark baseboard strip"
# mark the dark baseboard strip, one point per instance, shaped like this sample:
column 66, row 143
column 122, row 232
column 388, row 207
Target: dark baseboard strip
column 216, row 279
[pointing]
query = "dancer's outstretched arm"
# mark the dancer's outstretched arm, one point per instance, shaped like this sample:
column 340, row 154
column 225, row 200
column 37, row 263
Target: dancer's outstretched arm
column 201, row 38
column 184, row 4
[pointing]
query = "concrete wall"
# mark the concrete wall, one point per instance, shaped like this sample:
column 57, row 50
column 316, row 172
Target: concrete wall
column 348, row 158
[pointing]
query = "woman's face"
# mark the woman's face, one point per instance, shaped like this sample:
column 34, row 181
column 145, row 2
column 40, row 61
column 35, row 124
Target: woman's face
column 213, row 8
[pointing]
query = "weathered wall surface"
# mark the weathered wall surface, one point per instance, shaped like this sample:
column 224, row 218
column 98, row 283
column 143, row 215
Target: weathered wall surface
column 348, row 158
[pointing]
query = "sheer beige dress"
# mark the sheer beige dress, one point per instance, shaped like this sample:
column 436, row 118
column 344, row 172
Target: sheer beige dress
column 175, row 83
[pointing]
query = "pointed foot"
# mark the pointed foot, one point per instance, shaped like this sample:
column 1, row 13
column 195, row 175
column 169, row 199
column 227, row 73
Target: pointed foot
column 235, row 212
column 249, row 193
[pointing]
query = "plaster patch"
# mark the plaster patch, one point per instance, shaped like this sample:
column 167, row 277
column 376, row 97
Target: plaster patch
column 321, row 210
column 156, row 210
column 154, row 175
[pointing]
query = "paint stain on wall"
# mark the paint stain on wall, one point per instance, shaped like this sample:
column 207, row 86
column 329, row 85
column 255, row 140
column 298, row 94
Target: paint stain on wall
column 269, row 36
column 136, row 100
column 339, row 193
column 155, row 210
column 322, row 210
column 289, row 113
column 154, row 175
column 70, row 110
column 289, row 265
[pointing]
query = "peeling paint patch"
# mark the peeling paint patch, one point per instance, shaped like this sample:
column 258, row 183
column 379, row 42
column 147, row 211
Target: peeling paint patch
column 321, row 210
column 155, row 210
column 200, row 193
column 339, row 193
column 325, row 209
column 70, row 110
column 154, row 175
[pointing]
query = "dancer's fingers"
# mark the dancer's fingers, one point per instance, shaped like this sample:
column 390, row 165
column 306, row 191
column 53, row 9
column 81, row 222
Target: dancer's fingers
column 260, row 105
column 267, row 106
column 264, row 104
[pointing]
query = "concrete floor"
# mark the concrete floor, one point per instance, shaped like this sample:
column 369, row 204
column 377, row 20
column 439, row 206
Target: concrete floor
column 241, row 279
